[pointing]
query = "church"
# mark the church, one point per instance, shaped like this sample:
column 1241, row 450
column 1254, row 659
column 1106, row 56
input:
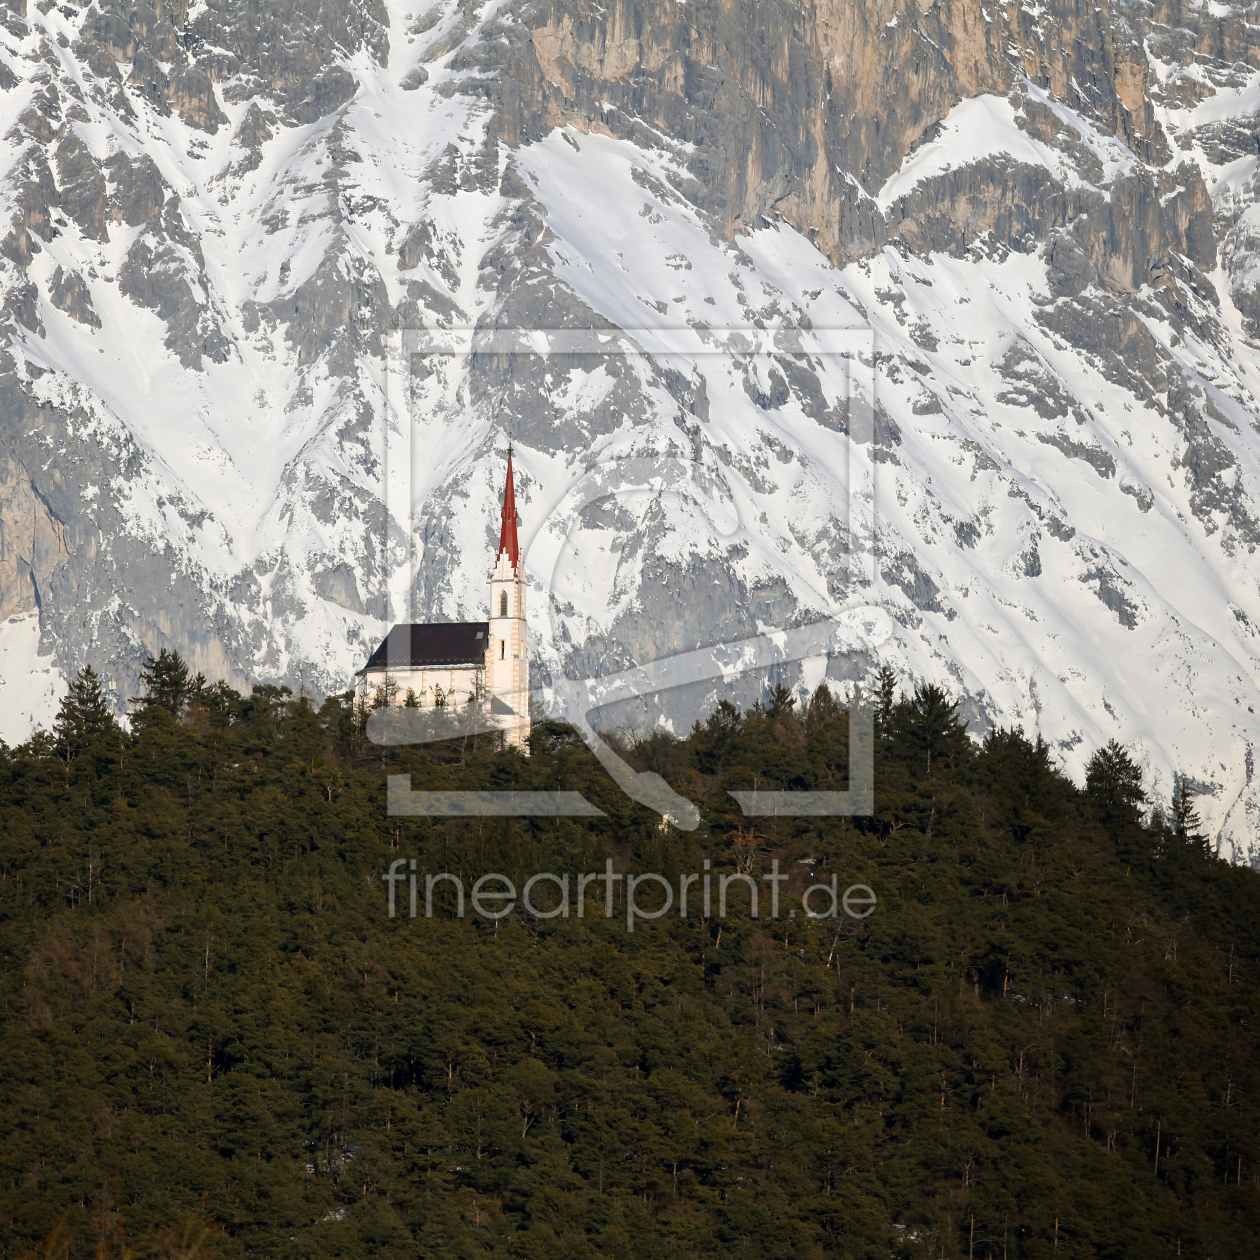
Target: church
column 462, row 663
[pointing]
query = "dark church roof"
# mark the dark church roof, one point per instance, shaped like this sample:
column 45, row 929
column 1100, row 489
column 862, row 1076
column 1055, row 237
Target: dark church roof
column 441, row 644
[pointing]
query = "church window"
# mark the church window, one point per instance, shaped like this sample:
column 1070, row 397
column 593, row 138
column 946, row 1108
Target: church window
column 502, row 650
column 503, row 603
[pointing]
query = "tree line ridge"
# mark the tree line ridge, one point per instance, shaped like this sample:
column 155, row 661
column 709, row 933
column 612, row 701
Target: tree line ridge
column 1042, row 1042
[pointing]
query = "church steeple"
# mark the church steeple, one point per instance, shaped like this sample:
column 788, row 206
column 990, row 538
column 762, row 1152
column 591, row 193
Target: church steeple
column 507, row 530
column 507, row 652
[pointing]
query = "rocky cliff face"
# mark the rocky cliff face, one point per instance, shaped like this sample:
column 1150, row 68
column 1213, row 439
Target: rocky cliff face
column 214, row 217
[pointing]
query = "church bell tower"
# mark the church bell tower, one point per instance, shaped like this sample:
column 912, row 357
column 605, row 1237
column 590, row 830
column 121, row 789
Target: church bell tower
column 507, row 659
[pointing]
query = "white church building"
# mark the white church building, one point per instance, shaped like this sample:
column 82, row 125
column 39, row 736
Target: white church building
column 457, row 663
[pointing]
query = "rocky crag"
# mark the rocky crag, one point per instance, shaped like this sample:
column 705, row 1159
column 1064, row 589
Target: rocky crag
column 215, row 218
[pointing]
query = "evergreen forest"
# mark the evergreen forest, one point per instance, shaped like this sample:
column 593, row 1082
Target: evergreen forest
column 1042, row 1041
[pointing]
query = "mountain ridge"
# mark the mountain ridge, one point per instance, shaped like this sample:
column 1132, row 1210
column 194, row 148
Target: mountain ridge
column 1047, row 217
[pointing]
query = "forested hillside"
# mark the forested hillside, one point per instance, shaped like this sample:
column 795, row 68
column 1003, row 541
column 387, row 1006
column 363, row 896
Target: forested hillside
column 1042, row 1042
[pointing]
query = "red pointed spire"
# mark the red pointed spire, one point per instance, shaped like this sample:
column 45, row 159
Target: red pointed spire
column 507, row 531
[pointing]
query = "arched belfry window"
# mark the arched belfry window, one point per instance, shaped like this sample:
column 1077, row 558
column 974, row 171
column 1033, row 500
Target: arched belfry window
column 503, row 603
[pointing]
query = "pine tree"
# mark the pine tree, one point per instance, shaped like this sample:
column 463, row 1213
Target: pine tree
column 1113, row 784
column 1184, row 818
column 85, row 716
column 823, row 707
column 933, row 728
column 885, row 700
column 1020, row 776
column 166, row 682
column 220, row 704
column 782, row 702
column 714, row 740
column 385, row 693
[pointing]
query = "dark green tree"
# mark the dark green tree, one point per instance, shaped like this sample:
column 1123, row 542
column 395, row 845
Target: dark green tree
column 823, row 707
column 1019, row 775
column 1184, row 819
column 1113, row 786
column 932, row 730
column 782, row 701
column 337, row 713
column 85, row 716
column 268, row 707
column 885, row 701
column 166, row 683
column 220, row 704
column 714, row 741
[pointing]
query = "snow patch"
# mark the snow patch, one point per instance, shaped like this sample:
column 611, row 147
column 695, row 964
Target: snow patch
column 31, row 685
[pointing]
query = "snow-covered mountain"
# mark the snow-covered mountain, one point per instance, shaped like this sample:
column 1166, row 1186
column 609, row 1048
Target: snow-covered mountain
column 216, row 217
